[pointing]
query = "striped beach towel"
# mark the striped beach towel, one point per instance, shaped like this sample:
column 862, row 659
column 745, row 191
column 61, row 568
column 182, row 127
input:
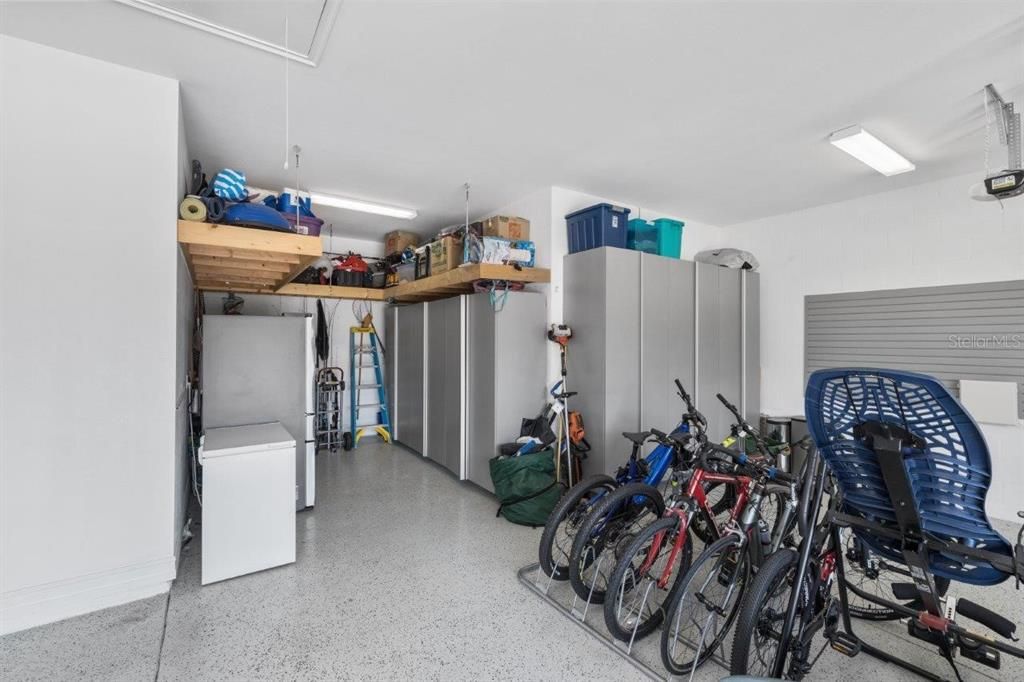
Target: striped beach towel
column 230, row 185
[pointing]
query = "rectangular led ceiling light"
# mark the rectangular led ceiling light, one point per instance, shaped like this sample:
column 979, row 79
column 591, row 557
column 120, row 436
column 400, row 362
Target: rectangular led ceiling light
column 356, row 205
column 868, row 149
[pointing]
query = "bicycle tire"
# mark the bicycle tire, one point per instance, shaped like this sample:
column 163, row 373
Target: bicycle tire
column 740, row 577
column 619, row 510
column 766, row 584
column 569, row 507
column 624, row 574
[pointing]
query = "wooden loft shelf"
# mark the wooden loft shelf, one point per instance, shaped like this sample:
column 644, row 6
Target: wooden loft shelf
column 460, row 281
column 229, row 258
column 327, row 291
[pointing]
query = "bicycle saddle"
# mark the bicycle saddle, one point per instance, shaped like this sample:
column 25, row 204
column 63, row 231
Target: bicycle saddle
column 638, row 437
column 947, row 461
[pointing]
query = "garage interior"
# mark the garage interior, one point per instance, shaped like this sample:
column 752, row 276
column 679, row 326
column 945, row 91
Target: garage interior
column 374, row 340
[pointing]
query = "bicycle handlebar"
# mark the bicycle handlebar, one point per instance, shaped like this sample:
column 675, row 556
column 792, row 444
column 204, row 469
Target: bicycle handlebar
column 730, row 456
column 691, row 409
column 742, row 423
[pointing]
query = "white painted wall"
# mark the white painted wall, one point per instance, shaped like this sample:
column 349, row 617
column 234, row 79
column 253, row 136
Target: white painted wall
column 88, row 179
column 339, row 312
column 182, row 358
column 927, row 235
column 546, row 210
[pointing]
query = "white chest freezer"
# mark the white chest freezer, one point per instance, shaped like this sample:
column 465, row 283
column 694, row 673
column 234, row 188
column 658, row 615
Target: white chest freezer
column 248, row 499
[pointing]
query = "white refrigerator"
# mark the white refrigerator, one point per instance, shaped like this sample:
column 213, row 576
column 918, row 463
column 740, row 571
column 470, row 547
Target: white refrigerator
column 256, row 369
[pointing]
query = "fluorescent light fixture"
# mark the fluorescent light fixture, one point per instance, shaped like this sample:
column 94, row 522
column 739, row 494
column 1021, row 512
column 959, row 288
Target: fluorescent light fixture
column 356, row 205
column 868, row 149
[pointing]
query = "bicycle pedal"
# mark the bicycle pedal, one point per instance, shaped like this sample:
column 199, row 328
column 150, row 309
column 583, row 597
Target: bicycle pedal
column 845, row 643
column 981, row 653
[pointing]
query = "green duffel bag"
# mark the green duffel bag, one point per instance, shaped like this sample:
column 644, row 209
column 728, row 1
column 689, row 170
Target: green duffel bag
column 526, row 487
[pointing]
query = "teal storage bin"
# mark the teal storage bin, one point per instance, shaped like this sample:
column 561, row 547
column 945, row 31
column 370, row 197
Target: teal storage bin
column 643, row 236
column 670, row 237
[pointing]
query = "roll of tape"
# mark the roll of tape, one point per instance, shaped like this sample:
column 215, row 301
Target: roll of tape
column 192, row 208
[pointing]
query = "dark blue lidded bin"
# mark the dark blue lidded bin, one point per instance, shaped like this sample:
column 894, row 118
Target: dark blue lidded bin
column 600, row 225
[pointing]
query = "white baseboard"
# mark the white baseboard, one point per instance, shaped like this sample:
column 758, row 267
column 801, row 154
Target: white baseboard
column 39, row 604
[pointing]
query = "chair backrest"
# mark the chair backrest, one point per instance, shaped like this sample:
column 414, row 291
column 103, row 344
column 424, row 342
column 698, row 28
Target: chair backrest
column 949, row 477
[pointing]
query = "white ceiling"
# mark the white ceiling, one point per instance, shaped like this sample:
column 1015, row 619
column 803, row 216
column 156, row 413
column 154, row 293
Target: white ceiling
column 717, row 112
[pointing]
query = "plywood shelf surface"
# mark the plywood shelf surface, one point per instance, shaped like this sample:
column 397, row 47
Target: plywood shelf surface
column 246, row 260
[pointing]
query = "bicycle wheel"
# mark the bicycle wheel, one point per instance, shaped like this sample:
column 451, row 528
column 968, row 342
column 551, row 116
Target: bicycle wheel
column 704, row 605
column 762, row 616
column 874, row 574
column 635, row 599
column 607, row 528
column 565, row 519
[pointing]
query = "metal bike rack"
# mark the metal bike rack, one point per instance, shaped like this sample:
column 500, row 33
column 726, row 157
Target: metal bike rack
column 564, row 599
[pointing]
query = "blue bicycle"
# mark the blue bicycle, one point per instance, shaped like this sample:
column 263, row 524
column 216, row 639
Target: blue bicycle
column 560, row 530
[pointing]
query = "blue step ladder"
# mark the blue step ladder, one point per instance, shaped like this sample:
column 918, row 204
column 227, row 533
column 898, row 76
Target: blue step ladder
column 364, row 354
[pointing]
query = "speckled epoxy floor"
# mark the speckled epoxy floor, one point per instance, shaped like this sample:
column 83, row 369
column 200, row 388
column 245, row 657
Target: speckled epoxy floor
column 403, row 573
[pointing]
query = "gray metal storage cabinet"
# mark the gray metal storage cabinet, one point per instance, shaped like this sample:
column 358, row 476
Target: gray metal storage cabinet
column 639, row 321
column 505, row 371
column 406, row 380
column 478, row 371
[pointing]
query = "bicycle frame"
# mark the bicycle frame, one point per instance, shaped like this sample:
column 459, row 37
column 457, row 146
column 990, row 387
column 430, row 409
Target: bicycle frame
column 699, row 505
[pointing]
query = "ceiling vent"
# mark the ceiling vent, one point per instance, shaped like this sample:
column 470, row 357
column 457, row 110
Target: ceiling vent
column 257, row 24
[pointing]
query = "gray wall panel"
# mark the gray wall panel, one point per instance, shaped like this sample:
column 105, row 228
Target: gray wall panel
column 969, row 331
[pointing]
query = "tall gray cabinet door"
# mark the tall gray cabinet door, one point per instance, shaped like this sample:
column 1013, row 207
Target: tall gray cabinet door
column 585, row 306
column 407, row 349
column 444, row 377
column 707, row 349
column 452, row 458
column 751, row 346
column 390, row 381
column 602, row 306
column 719, row 344
column 436, row 342
column 666, row 338
column 481, row 378
column 730, row 338
column 622, row 362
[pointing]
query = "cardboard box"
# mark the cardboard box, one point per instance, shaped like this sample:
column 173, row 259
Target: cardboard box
column 507, row 227
column 398, row 241
column 445, row 254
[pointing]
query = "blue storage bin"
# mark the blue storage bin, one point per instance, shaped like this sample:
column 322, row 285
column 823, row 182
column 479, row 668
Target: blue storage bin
column 670, row 237
column 643, row 236
column 600, row 225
